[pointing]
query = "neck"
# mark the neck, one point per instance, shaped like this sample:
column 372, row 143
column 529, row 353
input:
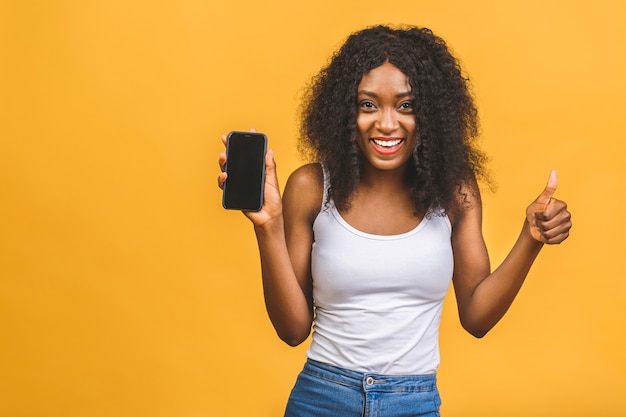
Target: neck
column 384, row 179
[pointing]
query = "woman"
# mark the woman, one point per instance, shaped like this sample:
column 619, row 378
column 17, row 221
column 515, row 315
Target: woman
column 364, row 244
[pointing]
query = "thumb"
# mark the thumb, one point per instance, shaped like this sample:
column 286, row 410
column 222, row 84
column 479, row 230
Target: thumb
column 270, row 163
column 548, row 192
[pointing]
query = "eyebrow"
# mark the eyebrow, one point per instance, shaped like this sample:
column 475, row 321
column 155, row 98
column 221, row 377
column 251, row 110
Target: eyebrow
column 372, row 94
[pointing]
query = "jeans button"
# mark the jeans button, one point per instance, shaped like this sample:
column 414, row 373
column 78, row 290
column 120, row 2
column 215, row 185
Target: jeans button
column 369, row 380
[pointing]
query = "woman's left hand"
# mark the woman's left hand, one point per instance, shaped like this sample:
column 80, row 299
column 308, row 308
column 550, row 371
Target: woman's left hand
column 548, row 218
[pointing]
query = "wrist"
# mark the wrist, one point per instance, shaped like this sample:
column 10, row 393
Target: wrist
column 270, row 226
column 528, row 237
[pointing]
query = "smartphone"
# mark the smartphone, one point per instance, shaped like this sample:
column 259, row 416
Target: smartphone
column 245, row 166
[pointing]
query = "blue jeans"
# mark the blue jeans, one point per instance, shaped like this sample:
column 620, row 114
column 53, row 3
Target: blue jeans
column 323, row 390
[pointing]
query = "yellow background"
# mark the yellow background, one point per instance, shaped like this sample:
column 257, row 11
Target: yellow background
column 126, row 290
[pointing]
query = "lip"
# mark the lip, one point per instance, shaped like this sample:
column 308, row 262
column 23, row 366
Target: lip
column 393, row 144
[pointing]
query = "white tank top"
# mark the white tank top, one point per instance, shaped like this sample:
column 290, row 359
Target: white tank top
column 378, row 299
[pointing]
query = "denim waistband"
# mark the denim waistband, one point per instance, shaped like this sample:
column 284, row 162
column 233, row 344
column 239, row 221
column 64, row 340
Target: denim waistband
column 371, row 381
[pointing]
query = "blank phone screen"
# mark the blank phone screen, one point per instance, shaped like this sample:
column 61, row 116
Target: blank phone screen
column 245, row 166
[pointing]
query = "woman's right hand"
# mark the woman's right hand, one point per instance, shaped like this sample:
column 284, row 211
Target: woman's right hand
column 272, row 203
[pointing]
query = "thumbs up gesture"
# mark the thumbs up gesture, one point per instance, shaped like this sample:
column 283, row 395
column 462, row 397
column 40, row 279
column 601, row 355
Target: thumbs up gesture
column 548, row 217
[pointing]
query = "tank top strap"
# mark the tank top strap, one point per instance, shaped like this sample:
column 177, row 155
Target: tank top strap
column 326, row 176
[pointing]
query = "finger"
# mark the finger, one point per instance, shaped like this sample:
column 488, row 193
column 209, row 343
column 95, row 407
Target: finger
column 252, row 130
column 224, row 139
column 548, row 192
column 555, row 237
column 221, row 179
column 222, row 161
column 554, row 208
column 563, row 220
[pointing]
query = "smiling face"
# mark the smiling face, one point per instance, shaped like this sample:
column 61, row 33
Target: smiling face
column 386, row 118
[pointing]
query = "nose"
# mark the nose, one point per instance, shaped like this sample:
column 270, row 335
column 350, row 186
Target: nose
column 387, row 121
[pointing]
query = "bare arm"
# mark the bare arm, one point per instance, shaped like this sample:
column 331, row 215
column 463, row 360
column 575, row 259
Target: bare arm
column 284, row 234
column 483, row 297
column 285, row 248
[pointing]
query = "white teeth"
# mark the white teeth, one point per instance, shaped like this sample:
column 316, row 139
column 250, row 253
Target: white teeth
column 387, row 143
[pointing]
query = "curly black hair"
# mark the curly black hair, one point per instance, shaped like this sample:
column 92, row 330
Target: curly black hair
column 445, row 156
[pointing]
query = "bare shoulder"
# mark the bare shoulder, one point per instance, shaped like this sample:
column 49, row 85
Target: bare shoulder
column 467, row 202
column 307, row 175
column 304, row 191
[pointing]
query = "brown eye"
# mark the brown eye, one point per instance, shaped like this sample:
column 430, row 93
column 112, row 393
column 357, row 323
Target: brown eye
column 367, row 105
column 407, row 106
